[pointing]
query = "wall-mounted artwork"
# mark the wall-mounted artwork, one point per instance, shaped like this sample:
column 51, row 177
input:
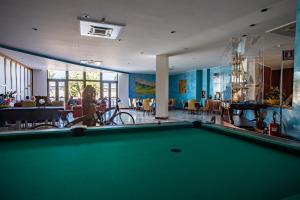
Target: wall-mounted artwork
column 182, row 86
column 143, row 87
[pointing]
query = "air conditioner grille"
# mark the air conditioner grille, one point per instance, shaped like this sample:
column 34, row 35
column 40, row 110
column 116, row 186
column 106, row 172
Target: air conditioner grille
column 96, row 29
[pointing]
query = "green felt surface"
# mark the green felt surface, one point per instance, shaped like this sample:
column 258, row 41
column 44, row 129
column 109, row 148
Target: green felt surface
column 139, row 165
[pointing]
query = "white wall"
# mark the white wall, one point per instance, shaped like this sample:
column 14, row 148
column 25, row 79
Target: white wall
column 123, row 89
column 39, row 79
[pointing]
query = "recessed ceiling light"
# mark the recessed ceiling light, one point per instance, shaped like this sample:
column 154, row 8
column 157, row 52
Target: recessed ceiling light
column 252, row 25
column 172, row 32
column 35, row 29
column 264, row 10
column 91, row 62
column 98, row 63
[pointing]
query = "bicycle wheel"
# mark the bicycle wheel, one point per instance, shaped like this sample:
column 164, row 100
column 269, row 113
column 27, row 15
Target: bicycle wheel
column 123, row 118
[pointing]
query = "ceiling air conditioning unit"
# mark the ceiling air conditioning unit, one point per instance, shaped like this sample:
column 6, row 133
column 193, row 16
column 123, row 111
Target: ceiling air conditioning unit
column 100, row 29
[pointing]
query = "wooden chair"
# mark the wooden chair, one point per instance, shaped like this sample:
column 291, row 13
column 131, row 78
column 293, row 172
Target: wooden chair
column 207, row 106
column 57, row 103
column 77, row 111
column 134, row 103
column 130, row 103
column 217, row 106
column 28, row 104
column 146, row 106
column 192, row 106
column 172, row 104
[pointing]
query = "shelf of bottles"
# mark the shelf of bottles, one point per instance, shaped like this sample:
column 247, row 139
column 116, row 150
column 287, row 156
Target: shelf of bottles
column 239, row 78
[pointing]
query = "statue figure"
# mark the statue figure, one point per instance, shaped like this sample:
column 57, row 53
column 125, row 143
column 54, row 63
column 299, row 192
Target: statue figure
column 89, row 105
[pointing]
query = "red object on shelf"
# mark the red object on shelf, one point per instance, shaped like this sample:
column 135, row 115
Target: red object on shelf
column 274, row 129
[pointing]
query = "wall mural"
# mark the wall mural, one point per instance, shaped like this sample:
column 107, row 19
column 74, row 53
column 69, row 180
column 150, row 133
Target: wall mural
column 143, row 87
column 182, row 86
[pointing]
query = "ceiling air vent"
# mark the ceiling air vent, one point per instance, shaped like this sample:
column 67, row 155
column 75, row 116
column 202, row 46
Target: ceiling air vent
column 97, row 29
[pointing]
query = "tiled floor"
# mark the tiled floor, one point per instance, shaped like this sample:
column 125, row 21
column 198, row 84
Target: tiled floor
column 175, row 116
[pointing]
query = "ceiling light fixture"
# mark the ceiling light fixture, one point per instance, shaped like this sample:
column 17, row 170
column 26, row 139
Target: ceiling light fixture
column 91, row 62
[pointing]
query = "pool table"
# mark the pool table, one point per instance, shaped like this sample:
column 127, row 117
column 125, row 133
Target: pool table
column 161, row 161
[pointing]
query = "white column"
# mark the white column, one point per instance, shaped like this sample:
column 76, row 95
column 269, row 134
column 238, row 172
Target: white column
column 39, row 79
column 162, row 87
column 123, row 91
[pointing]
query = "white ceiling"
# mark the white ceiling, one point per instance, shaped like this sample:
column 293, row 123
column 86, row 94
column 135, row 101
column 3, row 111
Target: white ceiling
column 203, row 31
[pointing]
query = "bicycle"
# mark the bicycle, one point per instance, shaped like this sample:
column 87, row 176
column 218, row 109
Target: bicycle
column 116, row 118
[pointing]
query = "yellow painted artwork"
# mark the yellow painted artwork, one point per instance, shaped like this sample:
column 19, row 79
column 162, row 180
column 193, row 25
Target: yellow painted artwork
column 143, row 87
column 182, row 86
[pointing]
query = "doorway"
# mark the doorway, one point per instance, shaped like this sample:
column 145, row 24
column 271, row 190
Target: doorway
column 110, row 91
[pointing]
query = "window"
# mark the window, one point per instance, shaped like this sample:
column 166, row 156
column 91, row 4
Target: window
column 76, row 89
column 56, row 74
column 109, row 76
column 61, row 91
column 22, row 83
column 76, row 75
column 62, row 85
column 18, row 82
column 14, row 78
column 7, row 74
column 95, row 85
column 93, row 75
column 26, row 82
column 52, row 90
column 29, row 86
column 2, row 75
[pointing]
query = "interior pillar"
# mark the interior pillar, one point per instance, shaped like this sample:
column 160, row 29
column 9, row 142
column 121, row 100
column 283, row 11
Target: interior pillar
column 162, row 87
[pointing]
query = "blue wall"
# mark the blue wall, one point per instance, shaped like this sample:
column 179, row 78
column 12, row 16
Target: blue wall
column 132, row 79
column 194, row 85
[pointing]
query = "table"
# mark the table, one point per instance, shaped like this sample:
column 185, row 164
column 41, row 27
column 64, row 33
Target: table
column 30, row 114
column 240, row 106
column 168, row 161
